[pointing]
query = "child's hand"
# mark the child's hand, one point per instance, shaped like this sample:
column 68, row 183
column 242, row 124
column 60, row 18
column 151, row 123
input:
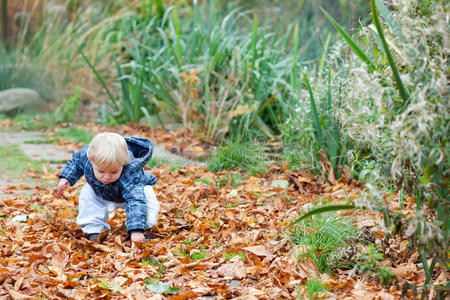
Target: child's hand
column 137, row 238
column 62, row 186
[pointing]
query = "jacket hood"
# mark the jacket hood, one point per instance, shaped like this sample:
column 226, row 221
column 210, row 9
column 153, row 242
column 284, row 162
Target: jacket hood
column 142, row 150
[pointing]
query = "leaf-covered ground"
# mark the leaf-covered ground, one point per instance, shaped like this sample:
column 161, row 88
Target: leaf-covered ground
column 218, row 235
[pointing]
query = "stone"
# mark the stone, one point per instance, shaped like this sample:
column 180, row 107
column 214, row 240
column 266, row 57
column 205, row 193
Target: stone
column 18, row 99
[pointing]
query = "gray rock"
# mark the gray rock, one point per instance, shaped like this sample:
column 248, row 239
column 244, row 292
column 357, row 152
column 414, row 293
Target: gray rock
column 18, row 99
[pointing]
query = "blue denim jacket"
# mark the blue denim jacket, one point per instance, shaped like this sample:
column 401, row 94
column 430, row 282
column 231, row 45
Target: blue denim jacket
column 129, row 188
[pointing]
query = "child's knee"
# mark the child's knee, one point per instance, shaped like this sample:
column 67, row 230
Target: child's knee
column 87, row 191
column 150, row 194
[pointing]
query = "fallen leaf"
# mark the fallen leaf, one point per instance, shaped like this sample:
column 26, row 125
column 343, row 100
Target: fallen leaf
column 258, row 250
column 283, row 184
column 234, row 269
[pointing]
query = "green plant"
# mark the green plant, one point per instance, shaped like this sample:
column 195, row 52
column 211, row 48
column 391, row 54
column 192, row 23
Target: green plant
column 33, row 121
column 369, row 262
column 234, row 179
column 230, row 254
column 320, row 140
column 323, row 209
column 14, row 162
column 160, row 287
column 37, row 207
column 157, row 162
column 224, row 75
column 327, row 137
column 198, row 254
column 205, row 180
column 247, row 157
column 44, row 53
column 67, row 110
column 323, row 235
column 132, row 104
column 75, row 134
column 314, row 286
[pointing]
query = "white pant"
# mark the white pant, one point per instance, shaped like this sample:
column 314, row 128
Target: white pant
column 94, row 210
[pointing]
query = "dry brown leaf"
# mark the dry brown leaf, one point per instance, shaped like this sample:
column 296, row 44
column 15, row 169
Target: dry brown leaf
column 258, row 250
column 384, row 296
column 15, row 295
column 234, row 269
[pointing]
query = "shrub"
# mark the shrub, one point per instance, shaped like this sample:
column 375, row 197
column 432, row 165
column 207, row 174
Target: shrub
column 391, row 101
column 369, row 262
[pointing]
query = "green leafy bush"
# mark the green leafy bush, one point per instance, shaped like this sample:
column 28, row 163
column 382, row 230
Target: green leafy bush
column 66, row 111
column 369, row 262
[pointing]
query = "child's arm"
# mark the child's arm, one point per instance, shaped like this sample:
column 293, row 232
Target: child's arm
column 74, row 168
column 136, row 210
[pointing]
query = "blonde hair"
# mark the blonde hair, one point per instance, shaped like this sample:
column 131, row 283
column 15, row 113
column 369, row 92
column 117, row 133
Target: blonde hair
column 108, row 150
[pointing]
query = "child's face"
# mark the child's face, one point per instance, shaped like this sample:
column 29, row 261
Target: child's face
column 107, row 176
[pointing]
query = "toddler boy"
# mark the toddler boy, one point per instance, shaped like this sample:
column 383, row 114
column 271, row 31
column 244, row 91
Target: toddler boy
column 114, row 170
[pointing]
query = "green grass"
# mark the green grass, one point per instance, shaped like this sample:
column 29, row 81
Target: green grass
column 247, row 157
column 44, row 141
column 199, row 254
column 314, row 286
column 75, row 134
column 160, row 162
column 157, row 162
column 33, row 121
column 324, row 234
column 230, row 254
column 236, row 180
column 205, row 180
column 240, row 76
column 13, row 162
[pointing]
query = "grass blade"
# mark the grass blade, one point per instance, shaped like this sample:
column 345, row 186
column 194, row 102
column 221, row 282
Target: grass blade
column 334, row 136
column 315, row 116
column 99, row 77
column 254, row 40
column 324, row 56
column 324, row 209
column 404, row 93
column 159, row 8
column 390, row 20
column 176, row 21
column 353, row 45
column 295, row 58
column 264, row 105
column 123, row 81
